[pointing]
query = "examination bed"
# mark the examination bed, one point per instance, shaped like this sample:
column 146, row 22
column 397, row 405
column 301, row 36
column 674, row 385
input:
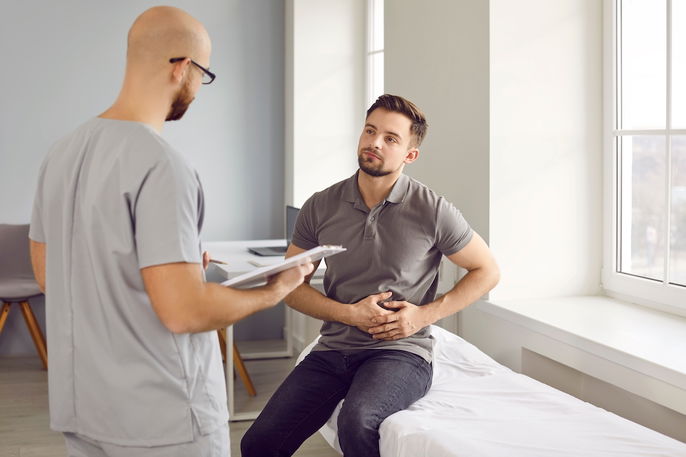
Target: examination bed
column 479, row 408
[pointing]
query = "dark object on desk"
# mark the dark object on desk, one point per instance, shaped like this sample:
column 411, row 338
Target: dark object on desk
column 268, row 251
column 291, row 216
column 17, row 284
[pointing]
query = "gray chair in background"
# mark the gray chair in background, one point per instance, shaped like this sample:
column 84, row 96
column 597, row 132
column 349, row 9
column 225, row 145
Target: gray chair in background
column 17, row 283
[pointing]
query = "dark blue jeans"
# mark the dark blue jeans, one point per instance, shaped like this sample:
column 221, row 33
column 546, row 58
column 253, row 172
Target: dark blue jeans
column 375, row 384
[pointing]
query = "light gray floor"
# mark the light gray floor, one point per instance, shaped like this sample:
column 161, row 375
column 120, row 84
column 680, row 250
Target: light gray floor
column 24, row 430
column 267, row 376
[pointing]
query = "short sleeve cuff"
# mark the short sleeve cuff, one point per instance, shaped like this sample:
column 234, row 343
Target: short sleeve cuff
column 303, row 243
column 460, row 244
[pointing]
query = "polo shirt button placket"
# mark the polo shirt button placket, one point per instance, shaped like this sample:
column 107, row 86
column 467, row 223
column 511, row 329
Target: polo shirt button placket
column 369, row 228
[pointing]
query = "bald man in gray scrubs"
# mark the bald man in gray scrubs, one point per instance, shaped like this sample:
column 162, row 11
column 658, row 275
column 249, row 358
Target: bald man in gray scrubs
column 375, row 345
column 135, row 366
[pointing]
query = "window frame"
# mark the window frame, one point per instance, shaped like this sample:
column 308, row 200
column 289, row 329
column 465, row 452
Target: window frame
column 373, row 7
column 657, row 294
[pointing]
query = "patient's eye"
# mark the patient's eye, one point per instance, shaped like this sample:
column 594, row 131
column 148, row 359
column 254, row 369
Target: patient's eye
column 391, row 139
column 369, row 131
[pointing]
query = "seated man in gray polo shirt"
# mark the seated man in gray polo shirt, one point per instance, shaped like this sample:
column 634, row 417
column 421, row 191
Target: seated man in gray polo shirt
column 375, row 345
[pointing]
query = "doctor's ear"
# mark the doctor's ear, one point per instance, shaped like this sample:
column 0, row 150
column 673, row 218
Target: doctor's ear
column 180, row 67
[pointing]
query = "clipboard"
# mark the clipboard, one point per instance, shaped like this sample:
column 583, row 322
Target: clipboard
column 259, row 276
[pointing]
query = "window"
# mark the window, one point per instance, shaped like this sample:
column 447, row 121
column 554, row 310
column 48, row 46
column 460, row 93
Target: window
column 375, row 50
column 646, row 140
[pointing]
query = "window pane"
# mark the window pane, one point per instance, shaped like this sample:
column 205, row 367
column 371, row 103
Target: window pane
column 377, row 25
column 677, row 269
column 377, row 76
column 679, row 64
column 643, row 64
column 375, row 63
column 642, row 207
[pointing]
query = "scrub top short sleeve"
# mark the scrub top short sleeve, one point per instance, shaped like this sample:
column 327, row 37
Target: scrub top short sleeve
column 165, row 216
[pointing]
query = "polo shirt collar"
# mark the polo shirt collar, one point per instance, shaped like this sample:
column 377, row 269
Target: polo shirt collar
column 399, row 190
column 397, row 195
column 351, row 193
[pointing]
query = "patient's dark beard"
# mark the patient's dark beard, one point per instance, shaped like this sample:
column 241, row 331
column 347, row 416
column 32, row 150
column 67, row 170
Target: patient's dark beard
column 371, row 171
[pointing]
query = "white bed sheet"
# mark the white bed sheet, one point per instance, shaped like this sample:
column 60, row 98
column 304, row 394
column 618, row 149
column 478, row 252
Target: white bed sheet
column 479, row 408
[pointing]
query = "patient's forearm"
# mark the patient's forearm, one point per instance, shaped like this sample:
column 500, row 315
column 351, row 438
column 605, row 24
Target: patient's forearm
column 470, row 288
column 310, row 301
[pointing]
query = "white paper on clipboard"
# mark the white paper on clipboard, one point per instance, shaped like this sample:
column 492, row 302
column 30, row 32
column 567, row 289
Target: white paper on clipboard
column 259, row 275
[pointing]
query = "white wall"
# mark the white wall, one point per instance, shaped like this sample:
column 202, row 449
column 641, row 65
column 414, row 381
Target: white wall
column 324, row 93
column 65, row 63
column 512, row 93
column 436, row 55
column 546, row 146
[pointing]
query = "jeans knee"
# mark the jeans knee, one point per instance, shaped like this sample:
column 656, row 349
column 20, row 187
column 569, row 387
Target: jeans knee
column 356, row 422
column 358, row 431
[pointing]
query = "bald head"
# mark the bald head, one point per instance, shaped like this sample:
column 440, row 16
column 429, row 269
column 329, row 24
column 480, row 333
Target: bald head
column 155, row 89
column 163, row 32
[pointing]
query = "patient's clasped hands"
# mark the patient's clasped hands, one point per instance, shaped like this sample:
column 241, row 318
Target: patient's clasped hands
column 387, row 324
column 366, row 310
column 406, row 321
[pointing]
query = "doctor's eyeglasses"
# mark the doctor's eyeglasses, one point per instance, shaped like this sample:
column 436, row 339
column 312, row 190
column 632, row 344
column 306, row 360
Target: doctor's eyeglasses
column 207, row 75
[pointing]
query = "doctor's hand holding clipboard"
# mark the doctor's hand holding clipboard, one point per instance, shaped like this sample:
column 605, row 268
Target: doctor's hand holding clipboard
column 265, row 274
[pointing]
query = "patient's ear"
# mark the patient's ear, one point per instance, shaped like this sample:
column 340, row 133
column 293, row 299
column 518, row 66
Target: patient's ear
column 412, row 155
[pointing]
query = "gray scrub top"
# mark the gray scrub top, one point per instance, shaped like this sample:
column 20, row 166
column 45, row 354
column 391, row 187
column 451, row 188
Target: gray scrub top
column 396, row 246
column 113, row 197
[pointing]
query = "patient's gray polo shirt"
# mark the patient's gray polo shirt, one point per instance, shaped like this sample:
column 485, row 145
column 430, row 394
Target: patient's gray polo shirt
column 396, row 246
column 113, row 197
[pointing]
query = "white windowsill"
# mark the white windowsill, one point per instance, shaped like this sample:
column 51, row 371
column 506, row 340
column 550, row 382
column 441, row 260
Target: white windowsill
column 639, row 338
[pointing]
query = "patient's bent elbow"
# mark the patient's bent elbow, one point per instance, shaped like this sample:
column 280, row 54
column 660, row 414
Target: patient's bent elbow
column 495, row 276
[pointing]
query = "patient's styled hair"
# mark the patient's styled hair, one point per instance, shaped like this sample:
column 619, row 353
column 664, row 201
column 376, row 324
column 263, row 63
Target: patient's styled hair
column 397, row 104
